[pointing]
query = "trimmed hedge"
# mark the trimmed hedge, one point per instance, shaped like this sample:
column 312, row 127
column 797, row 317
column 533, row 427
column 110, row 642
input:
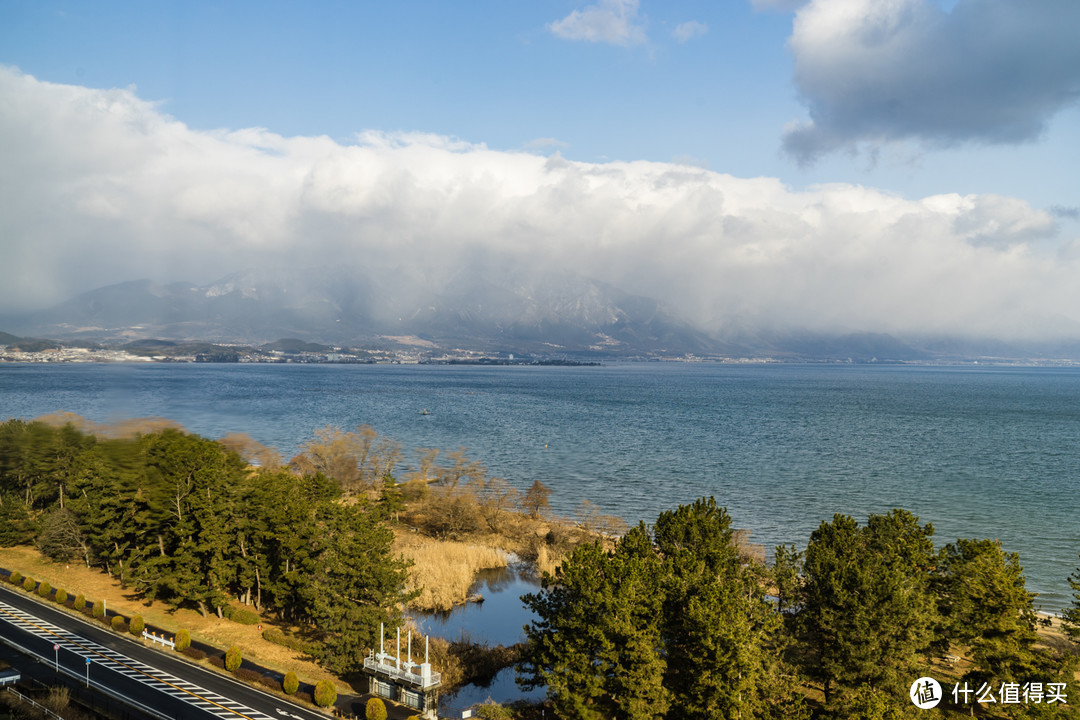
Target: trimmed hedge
column 216, row 660
column 182, row 640
column 197, row 654
column 44, row 589
column 268, row 681
column 80, row 602
column 233, row 659
column 119, row 624
column 15, row 578
column 291, row 683
column 136, row 626
column 326, row 695
column 61, row 596
column 248, row 676
column 29, row 584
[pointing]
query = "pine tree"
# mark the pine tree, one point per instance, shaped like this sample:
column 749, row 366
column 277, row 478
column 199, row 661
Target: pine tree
column 986, row 606
column 597, row 641
column 358, row 584
column 1071, row 614
column 867, row 610
column 717, row 621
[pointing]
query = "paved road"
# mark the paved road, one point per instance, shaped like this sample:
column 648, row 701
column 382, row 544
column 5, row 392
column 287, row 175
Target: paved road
column 160, row 683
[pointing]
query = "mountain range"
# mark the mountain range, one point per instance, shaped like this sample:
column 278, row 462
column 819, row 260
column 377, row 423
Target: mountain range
column 488, row 309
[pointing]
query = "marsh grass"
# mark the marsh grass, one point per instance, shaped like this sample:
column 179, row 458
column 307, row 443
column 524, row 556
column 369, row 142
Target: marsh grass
column 444, row 570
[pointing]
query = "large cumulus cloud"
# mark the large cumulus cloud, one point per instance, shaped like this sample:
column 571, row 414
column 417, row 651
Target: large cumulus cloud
column 875, row 71
column 99, row 186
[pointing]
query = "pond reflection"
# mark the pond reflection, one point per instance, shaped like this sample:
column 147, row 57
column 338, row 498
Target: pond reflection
column 499, row 620
column 496, row 621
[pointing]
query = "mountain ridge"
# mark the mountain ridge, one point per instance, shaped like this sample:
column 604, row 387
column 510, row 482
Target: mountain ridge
column 488, row 309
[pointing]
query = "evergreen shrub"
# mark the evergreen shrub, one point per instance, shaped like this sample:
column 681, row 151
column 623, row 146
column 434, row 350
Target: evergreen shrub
column 136, row 626
column 233, row 659
column 15, row 578
column 326, row 695
column 99, row 610
column 119, row 624
column 244, row 616
column 182, row 640
column 29, row 584
column 61, row 596
column 44, row 589
column 374, row 710
column 80, row 602
column 291, row 683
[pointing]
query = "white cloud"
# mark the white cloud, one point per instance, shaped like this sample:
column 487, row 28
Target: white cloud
column 98, row 186
column 614, row 22
column 689, row 30
column 878, row 71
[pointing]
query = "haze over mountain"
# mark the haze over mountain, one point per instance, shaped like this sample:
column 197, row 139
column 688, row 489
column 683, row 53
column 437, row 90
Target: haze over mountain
column 487, row 307
column 511, row 311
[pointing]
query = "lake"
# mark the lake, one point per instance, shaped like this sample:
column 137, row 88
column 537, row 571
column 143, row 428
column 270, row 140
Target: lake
column 978, row 451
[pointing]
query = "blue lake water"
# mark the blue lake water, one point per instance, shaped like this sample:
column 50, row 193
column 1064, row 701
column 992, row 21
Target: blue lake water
column 980, row 452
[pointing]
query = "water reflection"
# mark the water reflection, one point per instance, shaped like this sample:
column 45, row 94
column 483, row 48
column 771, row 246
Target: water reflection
column 501, row 689
column 496, row 621
column 499, row 620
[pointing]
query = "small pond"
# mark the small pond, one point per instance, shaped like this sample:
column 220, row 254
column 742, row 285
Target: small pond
column 499, row 620
column 496, row 621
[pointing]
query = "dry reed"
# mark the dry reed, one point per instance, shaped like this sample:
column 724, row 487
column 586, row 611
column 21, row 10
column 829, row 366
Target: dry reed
column 445, row 570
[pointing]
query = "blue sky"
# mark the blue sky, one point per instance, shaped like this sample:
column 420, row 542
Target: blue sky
column 899, row 100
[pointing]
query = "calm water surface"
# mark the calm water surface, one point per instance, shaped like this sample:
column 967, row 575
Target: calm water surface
column 979, row 452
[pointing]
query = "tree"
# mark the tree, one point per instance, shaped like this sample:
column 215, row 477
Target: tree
column 719, row 627
column 597, row 641
column 252, row 450
column 535, row 501
column 357, row 583
column 785, row 576
column 194, row 481
column 495, row 497
column 17, row 525
column 867, row 610
column 1072, row 614
column 986, row 606
column 62, row 539
column 336, row 454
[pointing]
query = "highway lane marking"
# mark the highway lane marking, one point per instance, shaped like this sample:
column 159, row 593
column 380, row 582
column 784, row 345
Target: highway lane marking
column 31, row 623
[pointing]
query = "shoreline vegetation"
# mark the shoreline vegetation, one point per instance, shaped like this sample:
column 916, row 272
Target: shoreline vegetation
column 187, row 532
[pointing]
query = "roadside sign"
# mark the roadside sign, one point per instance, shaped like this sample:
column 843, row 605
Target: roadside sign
column 55, row 647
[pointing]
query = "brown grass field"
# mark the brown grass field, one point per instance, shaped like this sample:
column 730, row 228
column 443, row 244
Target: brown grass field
column 96, row 585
